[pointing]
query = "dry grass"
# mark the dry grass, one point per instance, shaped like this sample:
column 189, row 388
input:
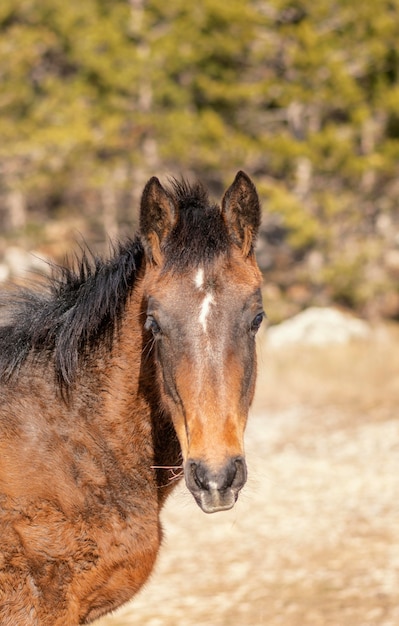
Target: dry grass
column 314, row 537
column 363, row 375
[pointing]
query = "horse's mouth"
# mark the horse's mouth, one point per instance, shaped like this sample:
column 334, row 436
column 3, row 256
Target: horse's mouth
column 213, row 500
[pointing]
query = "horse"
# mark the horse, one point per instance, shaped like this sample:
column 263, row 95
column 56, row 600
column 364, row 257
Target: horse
column 117, row 378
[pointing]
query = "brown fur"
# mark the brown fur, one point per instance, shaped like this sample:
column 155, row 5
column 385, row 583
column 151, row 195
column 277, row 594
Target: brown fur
column 80, row 500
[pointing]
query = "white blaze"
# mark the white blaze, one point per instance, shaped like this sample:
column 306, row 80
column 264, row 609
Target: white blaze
column 205, row 308
column 199, row 278
column 199, row 281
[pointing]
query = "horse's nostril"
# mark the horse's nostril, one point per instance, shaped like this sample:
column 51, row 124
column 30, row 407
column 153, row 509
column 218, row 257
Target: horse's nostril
column 240, row 476
column 198, row 475
column 232, row 475
column 228, row 474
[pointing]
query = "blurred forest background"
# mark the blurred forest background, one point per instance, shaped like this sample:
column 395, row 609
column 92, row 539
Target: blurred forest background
column 96, row 96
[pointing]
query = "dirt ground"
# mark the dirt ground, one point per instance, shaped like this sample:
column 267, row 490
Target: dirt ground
column 314, row 537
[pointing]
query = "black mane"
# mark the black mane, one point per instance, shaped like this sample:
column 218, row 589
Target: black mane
column 79, row 306
column 199, row 234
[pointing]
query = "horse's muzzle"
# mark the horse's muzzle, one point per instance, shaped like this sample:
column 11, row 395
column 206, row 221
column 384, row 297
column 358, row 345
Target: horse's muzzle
column 215, row 490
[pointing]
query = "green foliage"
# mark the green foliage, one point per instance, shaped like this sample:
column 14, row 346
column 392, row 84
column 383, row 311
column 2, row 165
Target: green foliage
column 95, row 96
column 344, row 277
column 303, row 230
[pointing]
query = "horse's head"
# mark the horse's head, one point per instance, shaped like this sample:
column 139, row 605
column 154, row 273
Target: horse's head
column 203, row 309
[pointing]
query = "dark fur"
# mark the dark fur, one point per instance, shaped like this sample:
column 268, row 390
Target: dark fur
column 199, row 233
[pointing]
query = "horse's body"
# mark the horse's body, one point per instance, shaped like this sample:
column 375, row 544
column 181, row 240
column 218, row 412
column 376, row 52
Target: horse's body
column 121, row 370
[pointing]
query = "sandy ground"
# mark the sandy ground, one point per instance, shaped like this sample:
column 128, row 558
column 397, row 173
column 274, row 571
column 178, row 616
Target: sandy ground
column 314, row 537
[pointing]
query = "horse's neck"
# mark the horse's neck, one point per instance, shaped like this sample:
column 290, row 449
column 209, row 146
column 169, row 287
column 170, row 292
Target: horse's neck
column 125, row 408
column 132, row 403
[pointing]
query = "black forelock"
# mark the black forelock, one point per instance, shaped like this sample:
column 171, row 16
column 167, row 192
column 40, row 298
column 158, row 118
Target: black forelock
column 199, row 233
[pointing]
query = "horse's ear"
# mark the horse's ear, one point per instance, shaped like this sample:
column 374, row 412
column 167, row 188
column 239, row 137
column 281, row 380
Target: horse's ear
column 156, row 217
column 241, row 208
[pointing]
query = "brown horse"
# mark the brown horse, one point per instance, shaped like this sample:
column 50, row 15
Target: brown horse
column 119, row 371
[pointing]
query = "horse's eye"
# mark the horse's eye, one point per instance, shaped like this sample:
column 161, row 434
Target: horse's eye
column 256, row 322
column 152, row 325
